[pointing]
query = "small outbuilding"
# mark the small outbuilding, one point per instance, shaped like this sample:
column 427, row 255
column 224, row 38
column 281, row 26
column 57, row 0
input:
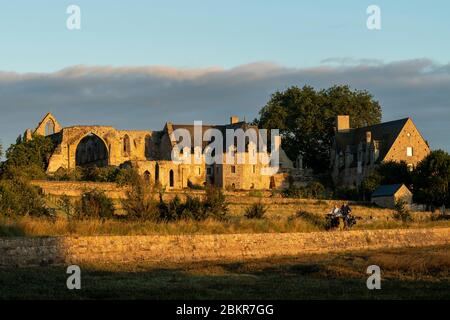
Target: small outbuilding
column 387, row 195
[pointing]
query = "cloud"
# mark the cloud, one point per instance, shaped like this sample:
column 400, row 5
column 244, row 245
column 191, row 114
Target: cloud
column 147, row 97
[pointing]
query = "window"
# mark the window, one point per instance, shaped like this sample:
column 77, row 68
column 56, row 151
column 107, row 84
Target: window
column 409, row 151
column 208, row 171
column 199, row 171
column 254, row 169
column 233, row 169
column 49, row 127
column 126, row 145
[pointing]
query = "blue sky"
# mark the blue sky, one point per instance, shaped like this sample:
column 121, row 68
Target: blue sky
column 217, row 33
column 137, row 64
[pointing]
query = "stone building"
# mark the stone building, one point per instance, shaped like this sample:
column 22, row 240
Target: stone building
column 386, row 196
column 356, row 152
column 150, row 153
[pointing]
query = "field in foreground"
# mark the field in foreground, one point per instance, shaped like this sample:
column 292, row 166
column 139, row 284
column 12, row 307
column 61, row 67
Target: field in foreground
column 410, row 273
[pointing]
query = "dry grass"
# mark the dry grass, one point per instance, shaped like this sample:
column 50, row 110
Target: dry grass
column 281, row 216
column 410, row 273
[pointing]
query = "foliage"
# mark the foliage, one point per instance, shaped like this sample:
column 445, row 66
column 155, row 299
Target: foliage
column 346, row 193
column 28, row 158
column 255, row 193
column 431, row 179
column 389, row 172
column 19, row 198
column 306, row 119
column 312, row 218
column 215, row 203
column 139, row 203
column 402, row 212
column 94, row 204
column 194, row 186
column 256, row 211
column 314, row 190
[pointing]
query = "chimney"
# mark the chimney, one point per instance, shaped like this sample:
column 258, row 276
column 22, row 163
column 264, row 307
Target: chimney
column 234, row 119
column 343, row 123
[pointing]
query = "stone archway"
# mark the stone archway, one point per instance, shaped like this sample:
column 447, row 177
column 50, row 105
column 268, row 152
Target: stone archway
column 91, row 151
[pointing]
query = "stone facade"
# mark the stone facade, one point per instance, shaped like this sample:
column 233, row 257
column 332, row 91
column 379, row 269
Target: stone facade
column 160, row 250
column 150, row 153
column 356, row 152
column 389, row 199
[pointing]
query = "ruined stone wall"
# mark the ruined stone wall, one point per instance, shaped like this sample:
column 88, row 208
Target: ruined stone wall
column 159, row 250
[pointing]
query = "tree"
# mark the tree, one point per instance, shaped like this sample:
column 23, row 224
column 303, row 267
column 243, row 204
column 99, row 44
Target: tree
column 306, row 119
column 389, row 172
column 431, row 179
column 28, row 158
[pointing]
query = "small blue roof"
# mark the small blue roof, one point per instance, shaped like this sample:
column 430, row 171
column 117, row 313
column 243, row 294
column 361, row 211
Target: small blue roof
column 386, row 190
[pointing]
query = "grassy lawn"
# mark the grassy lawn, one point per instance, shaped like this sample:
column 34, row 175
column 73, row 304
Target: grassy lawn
column 406, row 274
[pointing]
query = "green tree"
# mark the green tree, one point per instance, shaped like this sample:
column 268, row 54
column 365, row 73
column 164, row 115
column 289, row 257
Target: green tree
column 390, row 172
column 28, row 158
column 431, row 179
column 306, row 119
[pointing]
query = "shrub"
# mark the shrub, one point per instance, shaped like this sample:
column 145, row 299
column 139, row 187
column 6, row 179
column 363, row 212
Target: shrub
column 140, row 202
column 345, row 193
column 255, row 193
column 129, row 177
column 256, row 211
column 314, row 190
column 215, row 203
column 193, row 186
column 312, row 218
column 94, row 204
column 401, row 211
column 19, row 198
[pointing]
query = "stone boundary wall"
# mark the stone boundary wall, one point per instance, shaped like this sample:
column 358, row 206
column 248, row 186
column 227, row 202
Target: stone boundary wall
column 160, row 250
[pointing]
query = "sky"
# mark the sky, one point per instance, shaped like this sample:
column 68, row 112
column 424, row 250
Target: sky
column 136, row 64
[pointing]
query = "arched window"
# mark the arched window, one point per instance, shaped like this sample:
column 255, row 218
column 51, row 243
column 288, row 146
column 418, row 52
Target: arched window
column 157, row 173
column 49, row 127
column 171, row 179
column 147, row 177
column 126, row 145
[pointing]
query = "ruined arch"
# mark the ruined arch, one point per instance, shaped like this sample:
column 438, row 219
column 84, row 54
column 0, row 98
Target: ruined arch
column 91, row 151
column 49, row 127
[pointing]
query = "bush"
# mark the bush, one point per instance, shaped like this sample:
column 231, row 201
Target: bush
column 140, row 202
column 312, row 218
column 401, row 211
column 345, row 193
column 255, row 193
column 195, row 186
column 215, row 203
column 314, row 190
column 256, row 211
column 19, row 198
column 94, row 204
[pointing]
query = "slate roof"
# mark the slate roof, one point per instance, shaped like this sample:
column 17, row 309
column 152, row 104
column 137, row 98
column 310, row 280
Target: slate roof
column 385, row 133
column 386, row 190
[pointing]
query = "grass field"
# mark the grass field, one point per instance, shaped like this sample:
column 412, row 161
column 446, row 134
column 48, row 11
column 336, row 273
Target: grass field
column 281, row 216
column 406, row 274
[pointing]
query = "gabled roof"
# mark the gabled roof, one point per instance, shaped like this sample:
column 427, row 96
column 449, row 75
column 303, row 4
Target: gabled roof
column 386, row 190
column 385, row 132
